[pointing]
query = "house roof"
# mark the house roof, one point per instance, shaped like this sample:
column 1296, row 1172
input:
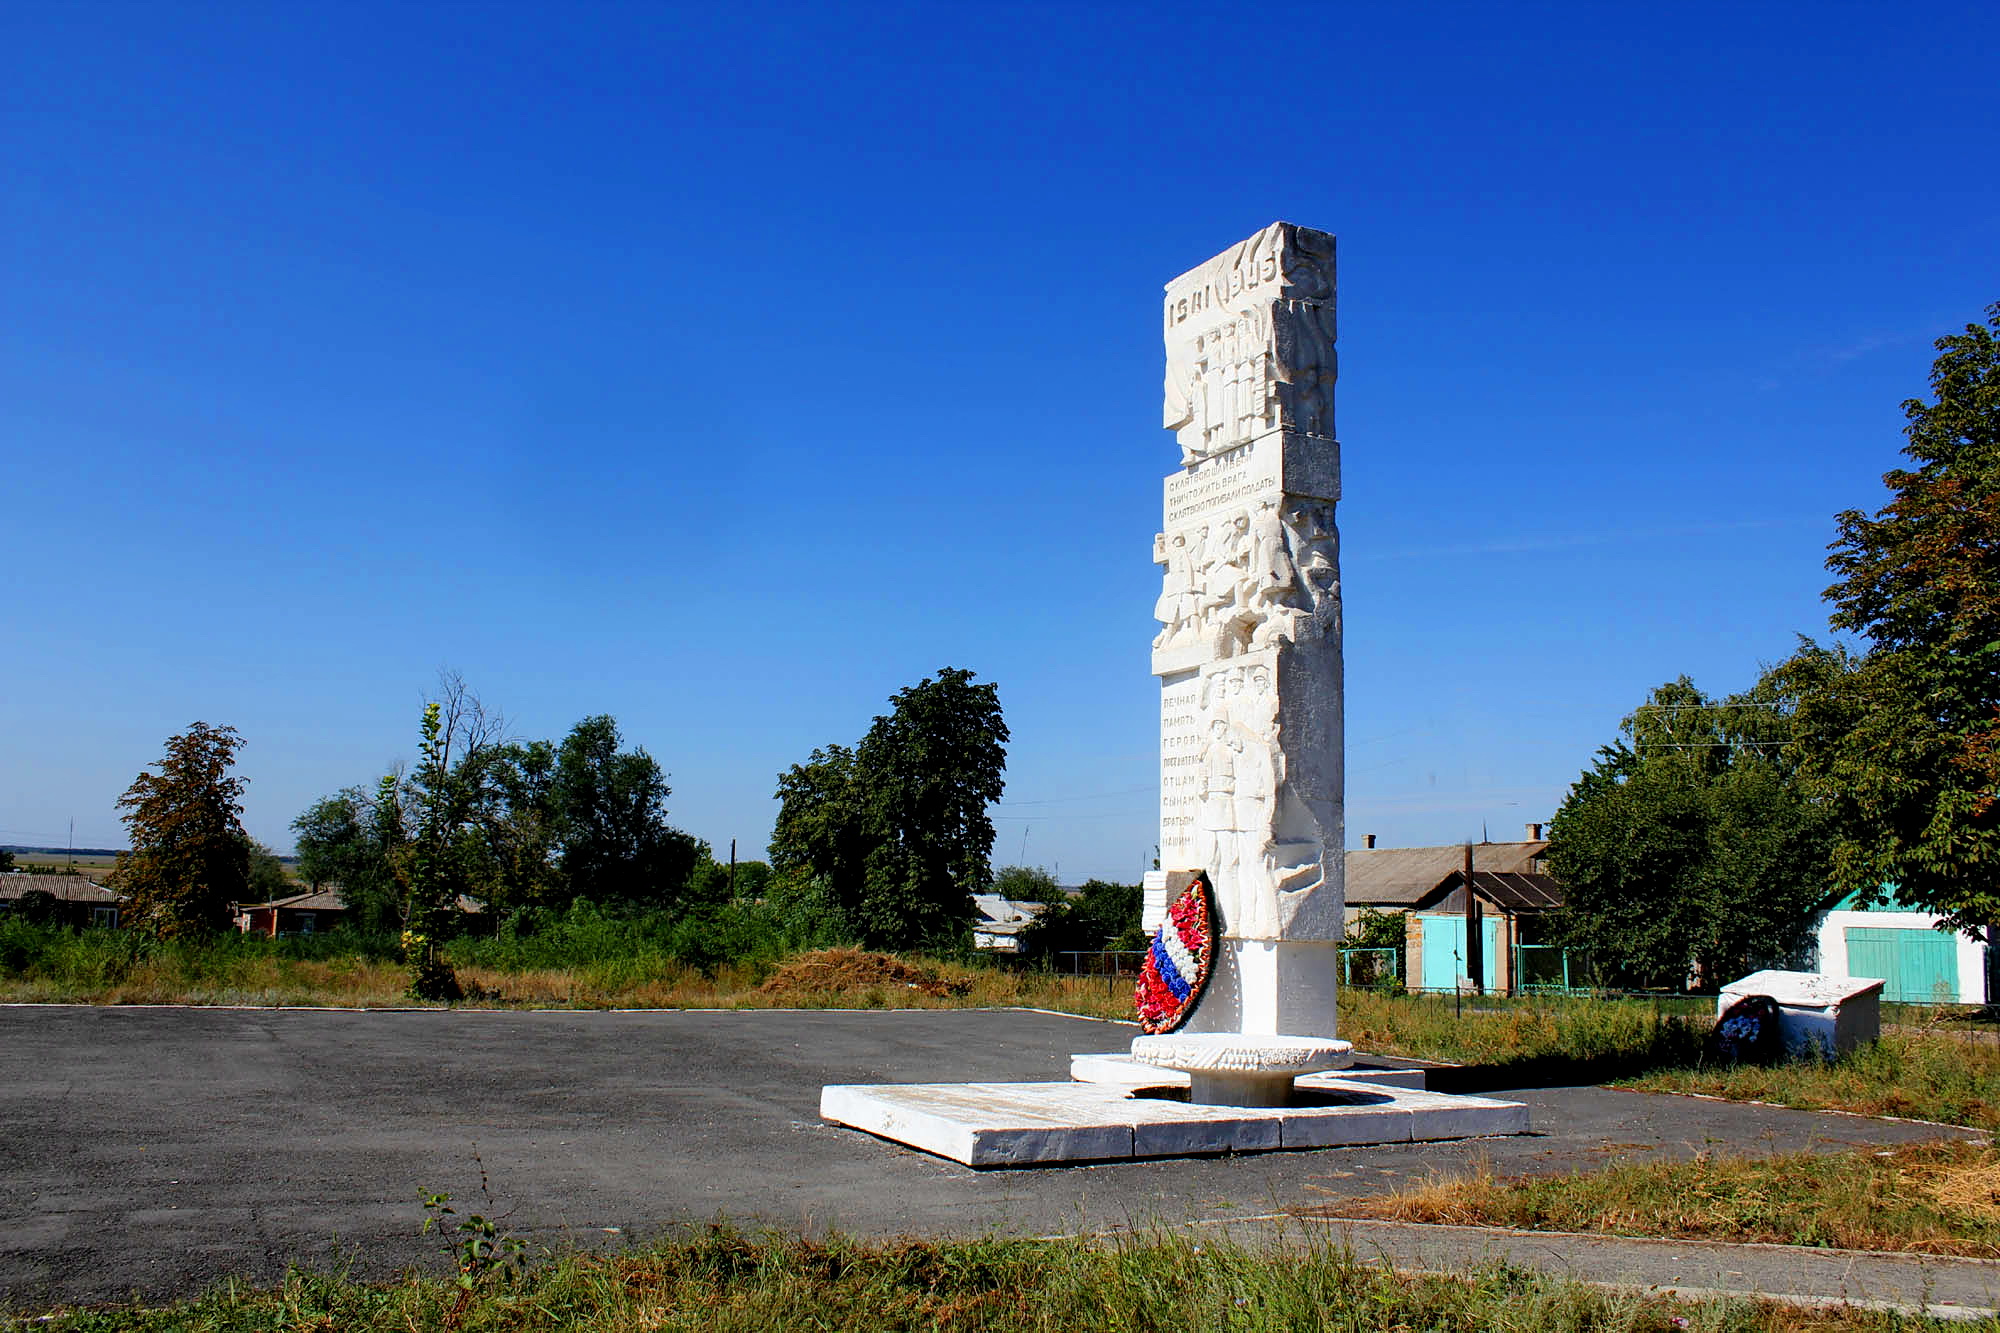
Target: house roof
column 66, row 888
column 996, row 911
column 1399, row 876
column 1509, row 891
column 313, row 900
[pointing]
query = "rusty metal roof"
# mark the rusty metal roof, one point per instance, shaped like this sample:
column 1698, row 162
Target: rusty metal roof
column 315, row 900
column 1399, row 876
column 1517, row 893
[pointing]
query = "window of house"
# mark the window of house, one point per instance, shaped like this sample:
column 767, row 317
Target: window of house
column 106, row 917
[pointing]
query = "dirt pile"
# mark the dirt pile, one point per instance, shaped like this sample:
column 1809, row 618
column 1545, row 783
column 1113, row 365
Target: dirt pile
column 851, row 970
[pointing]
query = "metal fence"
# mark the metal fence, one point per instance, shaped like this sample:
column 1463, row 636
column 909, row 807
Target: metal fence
column 1371, row 969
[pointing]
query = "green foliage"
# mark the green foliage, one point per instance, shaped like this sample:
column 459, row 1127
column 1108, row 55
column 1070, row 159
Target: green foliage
column 511, row 825
column 587, row 934
column 715, row 882
column 435, row 865
column 1026, row 884
column 1102, row 915
column 1902, row 744
column 1371, row 929
column 267, row 878
column 86, row 963
column 1951, row 1078
column 609, row 816
column 38, row 906
column 1688, row 846
column 346, row 840
column 6, row 861
column 483, row 1254
column 897, row 829
column 190, row 856
column 722, row 1279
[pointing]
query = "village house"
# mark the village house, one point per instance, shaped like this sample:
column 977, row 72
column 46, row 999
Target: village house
column 1515, row 892
column 79, row 901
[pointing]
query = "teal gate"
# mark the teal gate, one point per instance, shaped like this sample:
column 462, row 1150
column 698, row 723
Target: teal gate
column 1918, row 966
column 1444, row 951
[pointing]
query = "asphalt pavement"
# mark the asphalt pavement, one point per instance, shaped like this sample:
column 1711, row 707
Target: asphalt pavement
column 151, row 1152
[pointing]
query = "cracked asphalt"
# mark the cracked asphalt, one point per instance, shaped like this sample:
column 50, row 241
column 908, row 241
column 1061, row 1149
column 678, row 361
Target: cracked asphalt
column 152, row 1152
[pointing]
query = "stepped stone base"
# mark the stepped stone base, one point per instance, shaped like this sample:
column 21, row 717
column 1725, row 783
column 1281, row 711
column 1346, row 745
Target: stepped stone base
column 1036, row 1124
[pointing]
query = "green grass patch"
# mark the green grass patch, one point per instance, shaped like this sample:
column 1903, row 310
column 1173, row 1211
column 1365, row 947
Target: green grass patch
column 724, row 1281
column 1931, row 1198
column 1946, row 1076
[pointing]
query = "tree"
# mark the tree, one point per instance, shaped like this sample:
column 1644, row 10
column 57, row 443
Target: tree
column 1102, row 915
column 345, row 840
column 450, row 796
column 266, row 876
column 1688, row 846
column 1902, row 743
column 38, row 907
column 1026, row 884
column 822, row 837
column 610, row 819
column 6, row 861
column 896, row 831
column 190, row 856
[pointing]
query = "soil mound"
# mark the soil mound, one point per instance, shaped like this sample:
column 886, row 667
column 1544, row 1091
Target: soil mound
column 843, row 970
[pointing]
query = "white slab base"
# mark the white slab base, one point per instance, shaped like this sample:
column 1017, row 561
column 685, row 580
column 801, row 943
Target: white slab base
column 1118, row 1067
column 1032, row 1124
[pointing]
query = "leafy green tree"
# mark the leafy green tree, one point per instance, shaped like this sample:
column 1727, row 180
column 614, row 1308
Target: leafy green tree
column 268, row 879
column 190, row 856
column 38, row 907
column 711, row 883
column 823, row 835
column 1371, row 929
column 896, row 831
column 610, row 821
column 346, row 840
column 1901, row 744
column 6, row 862
column 1101, row 915
column 1688, row 848
column 1026, row 884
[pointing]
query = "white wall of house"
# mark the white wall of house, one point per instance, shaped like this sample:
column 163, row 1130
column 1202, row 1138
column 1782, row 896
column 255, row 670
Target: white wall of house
column 1833, row 947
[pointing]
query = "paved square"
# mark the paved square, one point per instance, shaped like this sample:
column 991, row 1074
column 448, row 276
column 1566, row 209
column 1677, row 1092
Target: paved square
column 159, row 1150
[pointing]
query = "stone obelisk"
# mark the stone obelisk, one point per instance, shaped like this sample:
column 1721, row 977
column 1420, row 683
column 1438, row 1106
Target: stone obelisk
column 1248, row 653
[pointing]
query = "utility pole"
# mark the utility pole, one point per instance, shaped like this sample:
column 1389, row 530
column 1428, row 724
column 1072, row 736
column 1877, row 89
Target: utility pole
column 1475, row 944
column 732, row 870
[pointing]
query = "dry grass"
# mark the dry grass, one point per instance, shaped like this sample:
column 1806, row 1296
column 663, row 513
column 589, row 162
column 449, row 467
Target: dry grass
column 836, row 979
column 848, row 970
column 1931, row 1198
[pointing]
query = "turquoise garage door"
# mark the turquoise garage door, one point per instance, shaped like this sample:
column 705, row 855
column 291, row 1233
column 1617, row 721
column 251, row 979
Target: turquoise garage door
column 1919, row 966
column 1444, row 951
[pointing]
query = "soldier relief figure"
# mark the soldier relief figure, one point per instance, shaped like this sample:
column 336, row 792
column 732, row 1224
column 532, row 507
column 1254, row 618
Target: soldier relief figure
column 1268, row 579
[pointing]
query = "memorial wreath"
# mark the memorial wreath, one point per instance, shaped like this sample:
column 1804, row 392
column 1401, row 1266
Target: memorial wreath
column 1177, row 963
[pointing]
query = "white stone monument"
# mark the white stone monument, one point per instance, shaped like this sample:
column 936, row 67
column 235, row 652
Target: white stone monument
column 1248, row 659
column 1248, row 654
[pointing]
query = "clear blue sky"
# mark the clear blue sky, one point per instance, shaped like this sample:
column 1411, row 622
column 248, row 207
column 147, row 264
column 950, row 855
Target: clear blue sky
column 727, row 368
